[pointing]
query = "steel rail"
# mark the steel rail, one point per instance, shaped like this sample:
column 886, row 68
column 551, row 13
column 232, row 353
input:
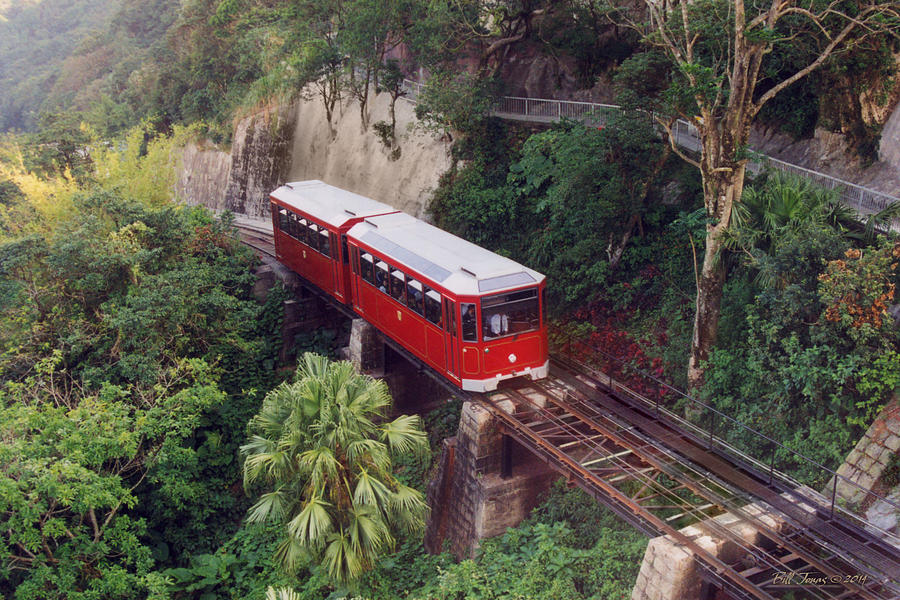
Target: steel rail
column 692, row 452
column 611, row 494
column 693, row 479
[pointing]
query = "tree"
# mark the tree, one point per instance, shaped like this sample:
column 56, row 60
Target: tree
column 392, row 83
column 72, row 465
column 325, row 453
column 718, row 51
column 372, row 28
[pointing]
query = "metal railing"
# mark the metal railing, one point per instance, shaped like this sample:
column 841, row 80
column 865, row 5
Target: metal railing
column 864, row 200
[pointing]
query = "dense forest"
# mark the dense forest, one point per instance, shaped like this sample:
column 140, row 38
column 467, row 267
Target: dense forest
column 156, row 443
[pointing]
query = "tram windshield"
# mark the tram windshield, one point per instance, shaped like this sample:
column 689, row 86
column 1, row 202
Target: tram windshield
column 510, row 313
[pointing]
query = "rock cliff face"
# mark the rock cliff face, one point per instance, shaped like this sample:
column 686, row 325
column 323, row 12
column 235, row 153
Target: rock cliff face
column 296, row 143
column 260, row 158
column 204, row 175
column 358, row 161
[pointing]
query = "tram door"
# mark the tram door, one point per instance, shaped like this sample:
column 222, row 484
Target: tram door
column 451, row 341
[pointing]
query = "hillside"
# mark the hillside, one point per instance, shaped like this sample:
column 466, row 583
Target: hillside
column 63, row 55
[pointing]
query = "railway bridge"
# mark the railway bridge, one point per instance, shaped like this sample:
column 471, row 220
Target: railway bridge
column 724, row 524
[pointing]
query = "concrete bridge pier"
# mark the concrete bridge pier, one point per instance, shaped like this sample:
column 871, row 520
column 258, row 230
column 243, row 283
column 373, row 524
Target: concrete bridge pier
column 485, row 483
column 366, row 350
column 669, row 570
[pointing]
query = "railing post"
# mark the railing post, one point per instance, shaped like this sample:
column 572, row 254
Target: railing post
column 558, row 110
column 834, row 493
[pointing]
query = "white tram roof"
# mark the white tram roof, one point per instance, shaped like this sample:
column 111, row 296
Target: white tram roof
column 327, row 203
column 460, row 266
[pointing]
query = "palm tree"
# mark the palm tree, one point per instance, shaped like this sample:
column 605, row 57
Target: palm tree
column 785, row 202
column 324, row 450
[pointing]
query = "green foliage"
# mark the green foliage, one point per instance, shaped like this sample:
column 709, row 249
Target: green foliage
column 816, row 356
column 456, row 103
column 326, row 460
column 537, row 560
column 71, row 466
column 124, row 327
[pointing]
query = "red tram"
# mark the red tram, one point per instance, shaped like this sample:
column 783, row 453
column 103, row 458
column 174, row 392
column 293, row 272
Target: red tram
column 473, row 316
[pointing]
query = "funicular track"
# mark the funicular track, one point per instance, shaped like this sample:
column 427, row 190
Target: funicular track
column 660, row 477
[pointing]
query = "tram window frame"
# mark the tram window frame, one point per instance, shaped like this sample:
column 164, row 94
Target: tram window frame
column 312, row 230
column 397, row 284
column 382, row 268
column 345, row 250
column 324, row 242
column 452, row 320
column 543, row 296
column 469, row 329
column 283, row 220
column 498, row 311
column 367, row 269
column 415, row 297
column 290, row 224
column 430, row 314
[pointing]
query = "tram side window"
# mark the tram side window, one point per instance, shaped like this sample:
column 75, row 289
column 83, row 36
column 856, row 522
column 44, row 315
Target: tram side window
column 292, row 227
column 283, row 221
column 312, row 233
column 469, row 327
column 432, row 306
column 324, row 243
column 367, row 267
column 510, row 313
column 414, row 295
column 398, row 285
column 381, row 276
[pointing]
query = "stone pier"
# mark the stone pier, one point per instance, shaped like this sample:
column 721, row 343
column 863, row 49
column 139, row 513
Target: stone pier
column 366, row 348
column 669, row 571
column 485, row 483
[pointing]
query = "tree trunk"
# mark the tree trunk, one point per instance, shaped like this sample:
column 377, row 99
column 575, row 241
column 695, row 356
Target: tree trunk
column 726, row 187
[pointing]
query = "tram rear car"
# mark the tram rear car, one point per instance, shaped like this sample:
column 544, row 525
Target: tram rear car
column 310, row 220
column 473, row 316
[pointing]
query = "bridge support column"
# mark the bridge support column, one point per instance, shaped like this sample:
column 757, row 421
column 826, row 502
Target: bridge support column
column 470, row 498
column 366, row 348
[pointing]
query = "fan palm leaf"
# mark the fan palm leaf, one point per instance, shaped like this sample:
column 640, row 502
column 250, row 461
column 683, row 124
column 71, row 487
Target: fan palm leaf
column 404, row 435
column 312, row 524
column 270, row 506
column 367, row 533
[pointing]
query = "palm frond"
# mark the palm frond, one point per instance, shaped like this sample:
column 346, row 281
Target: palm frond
column 312, row 366
column 883, row 220
column 367, row 532
column 409, row 510
column 320, row 464
column 312, row 524
column 371, row 491
column 404, row 435
column 269, row 507
column 341, row 562
column 292, row 555
column 373, row 451
column 281, row 594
